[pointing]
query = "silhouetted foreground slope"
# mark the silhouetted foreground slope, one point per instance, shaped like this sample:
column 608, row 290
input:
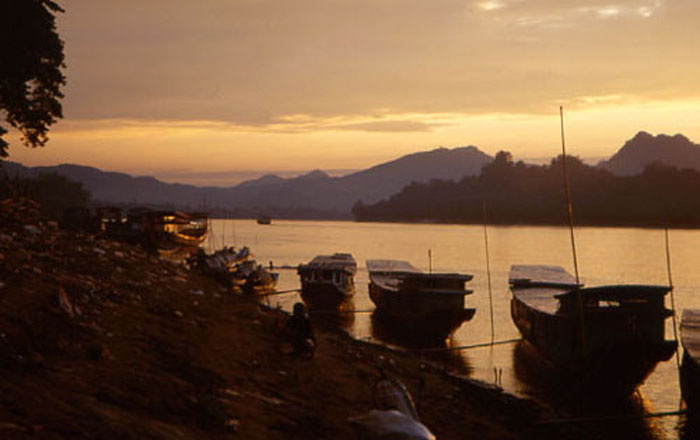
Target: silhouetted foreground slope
column 102, row 341
column 516, row 193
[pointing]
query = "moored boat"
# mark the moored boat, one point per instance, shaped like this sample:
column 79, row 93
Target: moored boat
column 690, row 367
column 606, row 338
column 403, row 293
column 264, row 219
column 327, row 280
column 174, row 229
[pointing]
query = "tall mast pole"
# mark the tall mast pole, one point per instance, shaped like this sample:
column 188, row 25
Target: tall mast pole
column 570, row 213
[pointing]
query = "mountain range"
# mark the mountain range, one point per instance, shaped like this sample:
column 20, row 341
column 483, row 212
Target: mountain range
column 643, row 149
column 315, row 194
column 318, row 195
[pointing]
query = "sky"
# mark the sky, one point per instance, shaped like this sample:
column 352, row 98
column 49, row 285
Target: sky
column 216, row 91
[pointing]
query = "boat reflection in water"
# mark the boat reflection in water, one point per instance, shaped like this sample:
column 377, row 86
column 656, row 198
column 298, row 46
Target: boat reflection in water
column 341, row 318
column 609, row 416
column 410, row 336
column 430, row 343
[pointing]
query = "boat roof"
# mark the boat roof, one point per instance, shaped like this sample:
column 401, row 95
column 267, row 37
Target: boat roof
column 337, row 261
column 542, row 287
column 690, row 333
column 393, row 268
column 523, row 275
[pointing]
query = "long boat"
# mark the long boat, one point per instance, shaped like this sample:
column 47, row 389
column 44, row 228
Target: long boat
column 690, row 367
column 623, row 327
column 403, row 293
column 328, row 281
column 174, row 229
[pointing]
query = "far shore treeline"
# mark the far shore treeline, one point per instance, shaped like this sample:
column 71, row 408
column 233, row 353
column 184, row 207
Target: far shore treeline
column 517, row 193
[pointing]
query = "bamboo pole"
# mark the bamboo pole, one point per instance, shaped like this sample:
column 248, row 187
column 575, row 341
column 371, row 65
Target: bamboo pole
column 570, row 213
column 488, row 269
column 673, row 300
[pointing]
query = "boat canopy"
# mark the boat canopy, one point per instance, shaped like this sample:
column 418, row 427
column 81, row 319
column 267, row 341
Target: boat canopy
column 336, row 262
column 620, row 292
column 541, row 276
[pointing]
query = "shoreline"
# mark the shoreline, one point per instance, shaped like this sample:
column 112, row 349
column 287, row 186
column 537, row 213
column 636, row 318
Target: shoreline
column 101, row 340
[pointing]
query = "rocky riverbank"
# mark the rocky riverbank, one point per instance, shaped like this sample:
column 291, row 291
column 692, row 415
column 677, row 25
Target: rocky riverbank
column 98, row 339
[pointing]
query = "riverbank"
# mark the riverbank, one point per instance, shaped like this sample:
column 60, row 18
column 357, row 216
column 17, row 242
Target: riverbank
column 100, row 340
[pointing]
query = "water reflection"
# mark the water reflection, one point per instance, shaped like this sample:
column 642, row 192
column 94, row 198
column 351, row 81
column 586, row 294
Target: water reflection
column 342, row 318
column 607, row 255
column 617, row 417
column 408, row 335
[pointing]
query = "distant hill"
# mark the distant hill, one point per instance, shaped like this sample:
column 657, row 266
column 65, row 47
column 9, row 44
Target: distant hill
column 313, row 195
column 644, row 149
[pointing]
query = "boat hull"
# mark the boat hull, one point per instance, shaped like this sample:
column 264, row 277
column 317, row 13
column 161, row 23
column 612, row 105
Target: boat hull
column 436, row 317
column 690, row 384
column 325, row 296
column 611, row 365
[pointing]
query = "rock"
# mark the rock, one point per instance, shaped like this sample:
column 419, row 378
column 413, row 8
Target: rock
column 99, row 251
column 232, row 425
column 2, row 284
column 179, row 314
column 119, row 254
column 197, row 292
column 97, row 352
column 64, row 302
column 32, row 229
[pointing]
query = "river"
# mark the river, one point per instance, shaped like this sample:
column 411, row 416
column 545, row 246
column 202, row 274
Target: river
column 606, row 256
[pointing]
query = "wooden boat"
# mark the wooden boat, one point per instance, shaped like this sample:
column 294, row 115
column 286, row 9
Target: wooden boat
column 394, row 415
column 403, row 293
column 264, row 219
column 174, row 229
column 623, row 337
column 690, row 367
column 261, row 280
column 328, row 280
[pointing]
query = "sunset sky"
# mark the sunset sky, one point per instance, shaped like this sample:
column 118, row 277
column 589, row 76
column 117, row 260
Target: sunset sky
column 214, row 91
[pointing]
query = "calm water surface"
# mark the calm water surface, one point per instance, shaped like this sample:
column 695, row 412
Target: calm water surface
column 606, row 256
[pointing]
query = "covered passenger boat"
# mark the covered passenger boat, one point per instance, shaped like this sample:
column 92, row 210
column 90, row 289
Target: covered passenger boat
column 690, row 367
column 403, row 293
column 174, row 229
column 327, row 281
column 608, row 338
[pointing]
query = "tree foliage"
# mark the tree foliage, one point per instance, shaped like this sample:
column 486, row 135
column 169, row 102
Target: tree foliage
column 516, row 193
column 52, row 191
column 31, row 76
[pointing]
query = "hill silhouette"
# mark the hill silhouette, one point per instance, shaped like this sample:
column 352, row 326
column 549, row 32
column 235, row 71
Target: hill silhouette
column 312, row 195
column 644, row 149
column 517, row 193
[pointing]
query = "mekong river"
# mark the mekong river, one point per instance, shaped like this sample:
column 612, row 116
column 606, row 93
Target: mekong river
column 605, row 255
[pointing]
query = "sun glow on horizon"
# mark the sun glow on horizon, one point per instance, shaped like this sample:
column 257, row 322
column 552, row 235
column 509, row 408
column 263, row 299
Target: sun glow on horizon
column 596, row 126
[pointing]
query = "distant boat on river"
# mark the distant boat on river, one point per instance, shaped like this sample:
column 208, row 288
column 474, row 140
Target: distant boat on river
column 690, row 368
column 403, row 293
column 328, row 280
column 263, row 219
column 623, row 327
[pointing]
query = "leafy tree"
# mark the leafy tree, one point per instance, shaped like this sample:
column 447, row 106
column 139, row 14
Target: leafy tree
column 52, row 191
column 31, row 74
